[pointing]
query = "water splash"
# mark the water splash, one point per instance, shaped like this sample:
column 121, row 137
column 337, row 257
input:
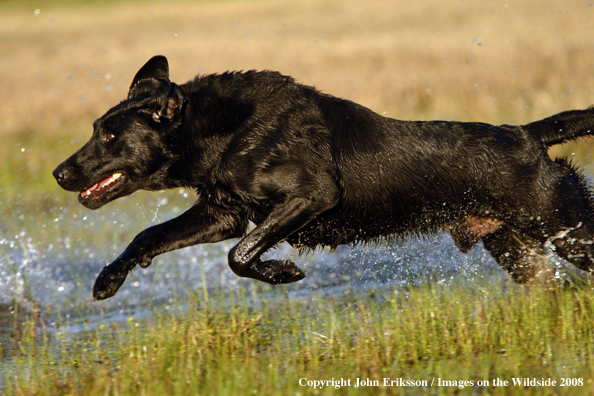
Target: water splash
column 58, row 274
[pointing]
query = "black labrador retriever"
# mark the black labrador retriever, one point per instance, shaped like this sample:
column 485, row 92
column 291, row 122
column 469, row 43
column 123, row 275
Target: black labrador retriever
column 315, row 170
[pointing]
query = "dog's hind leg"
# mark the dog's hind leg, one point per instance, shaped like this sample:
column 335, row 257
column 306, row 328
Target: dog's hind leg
column 521, row 256
column 576, row 246
column 573, row 238
column 565, row 225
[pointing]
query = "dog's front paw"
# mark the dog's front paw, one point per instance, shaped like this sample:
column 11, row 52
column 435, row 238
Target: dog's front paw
column 278, row 272
column 109, row 281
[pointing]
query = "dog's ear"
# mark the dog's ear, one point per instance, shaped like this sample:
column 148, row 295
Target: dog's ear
column 170, row 99
column 150, row 77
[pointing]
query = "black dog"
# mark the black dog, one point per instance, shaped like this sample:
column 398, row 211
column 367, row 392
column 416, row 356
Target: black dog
column 316, row 170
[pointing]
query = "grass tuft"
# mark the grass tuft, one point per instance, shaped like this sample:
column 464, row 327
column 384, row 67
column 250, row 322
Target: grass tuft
column 241, row 343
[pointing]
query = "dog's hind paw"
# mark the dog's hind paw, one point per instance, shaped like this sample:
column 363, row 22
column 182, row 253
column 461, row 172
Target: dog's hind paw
column 278, row 272
column 109, row 281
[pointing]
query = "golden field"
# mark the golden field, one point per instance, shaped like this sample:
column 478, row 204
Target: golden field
column 64, row 64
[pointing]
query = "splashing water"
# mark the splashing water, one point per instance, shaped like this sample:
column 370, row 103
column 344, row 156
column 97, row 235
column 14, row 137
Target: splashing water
column 58, row 276
column 51, row 263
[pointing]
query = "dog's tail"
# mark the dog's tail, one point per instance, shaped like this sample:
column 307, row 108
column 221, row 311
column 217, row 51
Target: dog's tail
column 563, row 126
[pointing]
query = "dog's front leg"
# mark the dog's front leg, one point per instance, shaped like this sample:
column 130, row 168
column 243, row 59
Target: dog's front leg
column 200, row 224
column 244, row 258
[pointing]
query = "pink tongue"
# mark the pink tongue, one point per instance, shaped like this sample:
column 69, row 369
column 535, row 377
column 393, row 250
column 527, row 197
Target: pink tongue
column 97, row 187
column 90, row 190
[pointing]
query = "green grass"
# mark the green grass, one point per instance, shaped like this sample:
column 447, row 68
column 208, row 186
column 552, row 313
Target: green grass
column 245, row 342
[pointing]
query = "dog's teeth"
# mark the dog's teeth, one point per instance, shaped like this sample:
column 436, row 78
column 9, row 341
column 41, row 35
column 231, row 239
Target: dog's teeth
column 114, row 177
column 101, row 185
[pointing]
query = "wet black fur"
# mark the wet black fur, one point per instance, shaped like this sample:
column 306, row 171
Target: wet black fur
column 316, row 170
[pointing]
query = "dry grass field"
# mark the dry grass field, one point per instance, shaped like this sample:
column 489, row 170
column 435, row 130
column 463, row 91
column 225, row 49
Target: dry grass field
column 64, row 64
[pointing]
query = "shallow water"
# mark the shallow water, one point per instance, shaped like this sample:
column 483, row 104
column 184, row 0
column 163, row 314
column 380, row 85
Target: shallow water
column 51, row 264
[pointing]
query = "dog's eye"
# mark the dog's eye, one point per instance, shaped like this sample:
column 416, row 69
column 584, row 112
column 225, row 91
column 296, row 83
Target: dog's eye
column 109, row 137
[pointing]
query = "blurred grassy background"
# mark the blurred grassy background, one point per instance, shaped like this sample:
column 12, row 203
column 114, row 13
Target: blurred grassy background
column 65, row 63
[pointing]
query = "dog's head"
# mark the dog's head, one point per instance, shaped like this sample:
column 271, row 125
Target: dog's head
column 128, row 150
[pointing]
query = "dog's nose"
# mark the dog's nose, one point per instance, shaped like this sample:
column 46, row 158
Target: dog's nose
column 60, row 173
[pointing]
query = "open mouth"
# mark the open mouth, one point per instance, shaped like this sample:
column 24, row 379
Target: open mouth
column 97, row 189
